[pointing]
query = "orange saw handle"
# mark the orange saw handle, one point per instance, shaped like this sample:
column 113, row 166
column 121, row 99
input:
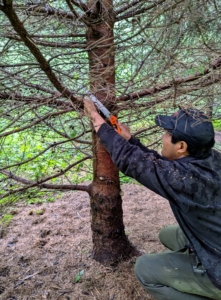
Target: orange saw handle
column 114, row 123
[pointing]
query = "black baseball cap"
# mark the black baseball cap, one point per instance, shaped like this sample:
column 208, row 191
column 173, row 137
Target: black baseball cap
column 189, row 125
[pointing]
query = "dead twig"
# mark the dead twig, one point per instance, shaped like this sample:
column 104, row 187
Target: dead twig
column 64, row 292
column 27, row 277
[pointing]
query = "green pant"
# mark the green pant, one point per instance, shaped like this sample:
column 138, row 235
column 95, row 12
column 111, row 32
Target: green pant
column 176, row 274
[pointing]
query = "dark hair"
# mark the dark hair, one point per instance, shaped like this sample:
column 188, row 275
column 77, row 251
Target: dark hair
column 196, row 151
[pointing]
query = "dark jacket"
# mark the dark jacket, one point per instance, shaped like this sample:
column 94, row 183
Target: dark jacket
column 192, row 186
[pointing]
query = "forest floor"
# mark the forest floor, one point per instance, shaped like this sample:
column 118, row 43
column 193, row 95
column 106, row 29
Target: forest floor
column 46, row 246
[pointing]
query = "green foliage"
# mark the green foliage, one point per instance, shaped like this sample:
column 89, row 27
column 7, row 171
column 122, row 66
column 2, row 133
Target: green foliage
column 6, row 219
column 31, row 196
column 125, row 179
column 39, row 212
column 78, row 276
column 217, row 124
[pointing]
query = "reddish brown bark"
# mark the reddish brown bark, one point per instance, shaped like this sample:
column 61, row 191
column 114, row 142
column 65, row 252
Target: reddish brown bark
column 110, row 242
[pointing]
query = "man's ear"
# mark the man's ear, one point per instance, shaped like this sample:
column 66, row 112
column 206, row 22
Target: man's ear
column 182, row 147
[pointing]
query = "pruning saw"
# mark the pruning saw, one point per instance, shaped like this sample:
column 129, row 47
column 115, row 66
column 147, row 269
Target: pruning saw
column 113, row 120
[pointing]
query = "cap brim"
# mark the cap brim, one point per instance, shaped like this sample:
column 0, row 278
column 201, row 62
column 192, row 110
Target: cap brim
column 165, row 122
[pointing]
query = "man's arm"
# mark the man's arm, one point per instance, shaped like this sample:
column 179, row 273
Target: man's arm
column 97, row 121
column 136, row 142
column 132, row 160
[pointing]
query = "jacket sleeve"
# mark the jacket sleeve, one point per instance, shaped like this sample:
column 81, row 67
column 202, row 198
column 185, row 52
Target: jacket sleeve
column 131, row 159
column 135, row 141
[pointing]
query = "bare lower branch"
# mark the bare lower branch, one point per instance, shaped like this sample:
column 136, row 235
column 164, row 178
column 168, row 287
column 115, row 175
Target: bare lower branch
column 72, row 9
column 41, row 183
column 18, row 65
column 144, row 130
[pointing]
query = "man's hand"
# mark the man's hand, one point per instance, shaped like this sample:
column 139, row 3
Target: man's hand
column 125, row 131
column 92, row 113
column 89, row 107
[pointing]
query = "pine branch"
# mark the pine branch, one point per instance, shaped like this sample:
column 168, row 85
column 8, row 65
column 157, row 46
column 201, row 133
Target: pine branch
column 134, row 11
column 47, row 10
column 49, row 101
column 177, row 81
column 43, row 63
column 41, row 183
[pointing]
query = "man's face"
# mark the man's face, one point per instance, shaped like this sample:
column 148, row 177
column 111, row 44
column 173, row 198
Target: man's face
column 169, row 149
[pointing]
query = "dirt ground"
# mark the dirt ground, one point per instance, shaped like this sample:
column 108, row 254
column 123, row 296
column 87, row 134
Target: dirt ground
column 46, row 246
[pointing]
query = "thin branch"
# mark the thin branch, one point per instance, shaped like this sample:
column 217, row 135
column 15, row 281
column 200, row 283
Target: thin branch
column 18, row 65
column 130, row 5
column 77, row 45
column 14, row 120
column 27, row 277
column 72, row 9
column 144, row 130
column 68, row 35
column 81, row 5
column 35, row 122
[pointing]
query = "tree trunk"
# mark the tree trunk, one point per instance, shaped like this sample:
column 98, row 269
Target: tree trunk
column 109, row 239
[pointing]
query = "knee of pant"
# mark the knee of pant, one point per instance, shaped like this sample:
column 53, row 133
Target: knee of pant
column 143, row 269
column 161, row 234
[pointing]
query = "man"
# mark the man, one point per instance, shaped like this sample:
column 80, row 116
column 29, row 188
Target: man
column 188, row 175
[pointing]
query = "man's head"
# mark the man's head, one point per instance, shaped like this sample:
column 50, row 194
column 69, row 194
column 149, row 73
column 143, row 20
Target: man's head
column 188, row 132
